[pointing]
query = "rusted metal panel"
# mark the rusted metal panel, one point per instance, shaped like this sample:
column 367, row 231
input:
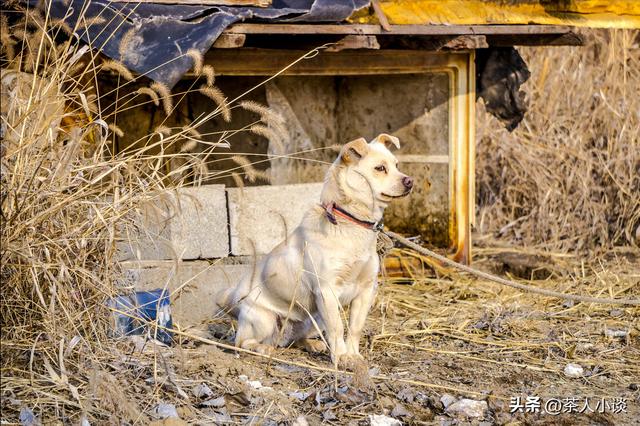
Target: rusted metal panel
column 582, row 13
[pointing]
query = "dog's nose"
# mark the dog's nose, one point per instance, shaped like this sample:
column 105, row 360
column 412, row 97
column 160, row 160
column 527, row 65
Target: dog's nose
column 407, row 182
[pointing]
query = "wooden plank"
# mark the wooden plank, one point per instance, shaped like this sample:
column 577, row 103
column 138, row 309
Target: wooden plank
column 229, row 41
column 467, row 42
column 384, row 22
column 368, row 29
column 254, row 3
column 354, row 42
column 261, row 62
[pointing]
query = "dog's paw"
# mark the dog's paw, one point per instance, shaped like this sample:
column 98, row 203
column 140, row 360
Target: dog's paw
column 261, row 348
column 313, row 345
column 264, row 349
column 351, row 362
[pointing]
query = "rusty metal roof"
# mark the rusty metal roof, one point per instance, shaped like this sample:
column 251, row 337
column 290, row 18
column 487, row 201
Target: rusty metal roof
column 582, row 13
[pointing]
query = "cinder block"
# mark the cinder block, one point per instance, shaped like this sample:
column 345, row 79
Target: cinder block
column 192, row 285
column 262, row 216
column 184, row 224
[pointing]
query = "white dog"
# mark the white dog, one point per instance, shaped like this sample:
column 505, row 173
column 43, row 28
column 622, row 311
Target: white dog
column 329, row 262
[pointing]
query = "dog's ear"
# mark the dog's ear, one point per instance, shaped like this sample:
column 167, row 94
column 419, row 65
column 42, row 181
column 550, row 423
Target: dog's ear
column 388, row 140
column 353, row 151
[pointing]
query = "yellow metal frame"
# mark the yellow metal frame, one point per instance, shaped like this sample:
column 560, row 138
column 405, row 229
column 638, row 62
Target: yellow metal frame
column 460, row 68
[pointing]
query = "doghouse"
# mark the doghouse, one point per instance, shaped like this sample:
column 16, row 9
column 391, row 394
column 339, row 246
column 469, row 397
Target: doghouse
column 418, row 82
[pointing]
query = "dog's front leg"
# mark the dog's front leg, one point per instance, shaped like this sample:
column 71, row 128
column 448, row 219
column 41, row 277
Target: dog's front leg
column 357, row 317
column 328, row 307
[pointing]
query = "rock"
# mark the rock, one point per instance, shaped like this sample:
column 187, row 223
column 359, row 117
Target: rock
column 447, row 400
column 164, row 411
column 400, row 411
column 616, row 313
column 382, row 420
column 215, row 402
column 573, row 370
column 616, row 333
column 28, row 418
column 202, row 391
column 300, row 395
column 329, row 415
column 407, row 394
column 300, row 421
column 468, row 408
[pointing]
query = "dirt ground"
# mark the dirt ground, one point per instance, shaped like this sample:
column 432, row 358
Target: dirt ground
column 430, row 341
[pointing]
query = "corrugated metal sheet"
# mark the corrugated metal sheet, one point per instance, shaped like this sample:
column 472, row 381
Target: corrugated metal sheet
column 582, row 13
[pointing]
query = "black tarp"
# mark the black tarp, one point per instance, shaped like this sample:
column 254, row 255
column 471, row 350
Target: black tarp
column 152, row 39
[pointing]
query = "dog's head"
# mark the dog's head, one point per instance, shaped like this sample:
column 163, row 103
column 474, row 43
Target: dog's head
column 369, row 171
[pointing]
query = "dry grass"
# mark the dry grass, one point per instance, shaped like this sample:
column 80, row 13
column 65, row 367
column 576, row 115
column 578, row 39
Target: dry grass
column 68, row 201
column 568, row 178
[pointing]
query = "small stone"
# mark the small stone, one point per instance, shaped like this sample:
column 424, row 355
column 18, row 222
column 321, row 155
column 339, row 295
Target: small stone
column 215, row 402
column 202, row 391
column 616, row 333
column 447, row 400
column 28, row 418
column 407, row 395
column 164, row 411
column 400, row 411
column 616, row 313
column 300, row 421
column 300, row 395
column 329, row 415
column 573, row 370
column 382, row 420
column 468, row 408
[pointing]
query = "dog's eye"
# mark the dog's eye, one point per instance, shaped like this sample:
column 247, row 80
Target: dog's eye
column 381, row 169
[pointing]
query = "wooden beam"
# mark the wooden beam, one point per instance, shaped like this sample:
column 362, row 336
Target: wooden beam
column 466, row 42
column 384, row 22
column 255, row 3
column 355, row 42
column 229, row 41
column 263, row 62
column 368, row 29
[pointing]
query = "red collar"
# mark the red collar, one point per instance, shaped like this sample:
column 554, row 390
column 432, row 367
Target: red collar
column 332, row 210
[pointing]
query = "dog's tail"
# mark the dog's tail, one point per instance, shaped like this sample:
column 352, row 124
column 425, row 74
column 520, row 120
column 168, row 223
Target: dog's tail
column 224, row 302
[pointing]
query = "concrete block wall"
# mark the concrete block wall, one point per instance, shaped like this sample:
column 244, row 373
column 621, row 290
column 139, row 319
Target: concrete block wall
column 179, row 231
column 185, row 224
column 261, row 217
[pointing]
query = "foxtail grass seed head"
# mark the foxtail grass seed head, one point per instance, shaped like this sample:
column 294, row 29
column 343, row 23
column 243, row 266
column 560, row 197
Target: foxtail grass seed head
column 188, row 146
column 237, row 179
column 151, row 93
column 163, row 130
column 197, row 59
column 218, row 97
column 210, row 74
column 270, row 135
column 116, row 130
column 125, row 42
column 165, row 94
column 246, row 165
column 119, row 68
